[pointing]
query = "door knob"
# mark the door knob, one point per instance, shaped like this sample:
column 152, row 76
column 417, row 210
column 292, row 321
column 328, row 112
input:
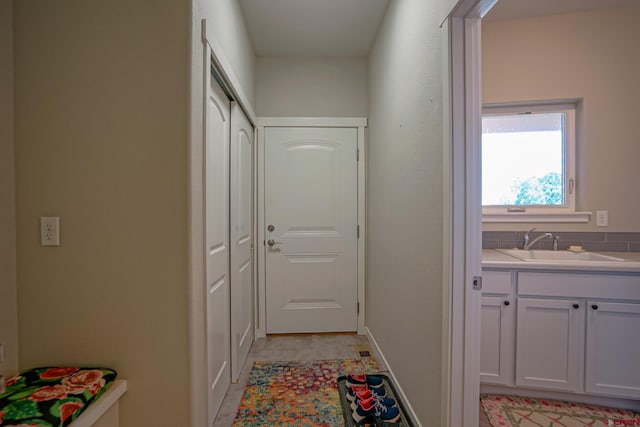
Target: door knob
column 271, row 227
column 272, row 242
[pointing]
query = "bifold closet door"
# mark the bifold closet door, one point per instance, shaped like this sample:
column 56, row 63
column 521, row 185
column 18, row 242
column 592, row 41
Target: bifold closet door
column 242, row 239
column 217, row 289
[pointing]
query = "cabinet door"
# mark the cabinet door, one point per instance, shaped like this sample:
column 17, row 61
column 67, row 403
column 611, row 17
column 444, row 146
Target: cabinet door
column 550, row 339
column 497, row 340
column 613, row 349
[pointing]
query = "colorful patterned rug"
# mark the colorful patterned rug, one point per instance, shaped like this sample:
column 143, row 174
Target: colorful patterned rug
column 512, row 411
column 297, row 393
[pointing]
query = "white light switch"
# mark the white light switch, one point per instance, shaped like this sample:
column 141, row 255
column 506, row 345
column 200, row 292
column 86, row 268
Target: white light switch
column 602, row 218
column 50, row 231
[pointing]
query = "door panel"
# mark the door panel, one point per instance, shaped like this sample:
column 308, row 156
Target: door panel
column 242, row 239
column 549, row 345
column 497, row 341
column 613, row 349
column 216, row 292
column 311, row 202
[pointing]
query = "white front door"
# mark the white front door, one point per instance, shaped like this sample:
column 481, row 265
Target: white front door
column 242, row 291
column 311, row 206
column 216, row 251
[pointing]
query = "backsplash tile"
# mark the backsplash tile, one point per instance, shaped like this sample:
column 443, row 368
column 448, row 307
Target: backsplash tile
column 592, row 241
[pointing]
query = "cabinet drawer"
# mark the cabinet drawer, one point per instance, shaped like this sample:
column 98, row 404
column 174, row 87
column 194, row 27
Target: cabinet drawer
column 577, row 285
column 496, row 282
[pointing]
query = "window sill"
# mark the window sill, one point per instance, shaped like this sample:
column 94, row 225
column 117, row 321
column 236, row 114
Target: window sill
column 576, row 217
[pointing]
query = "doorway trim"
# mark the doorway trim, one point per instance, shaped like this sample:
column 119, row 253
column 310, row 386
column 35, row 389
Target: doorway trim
column 463, row 242
column 360, row 123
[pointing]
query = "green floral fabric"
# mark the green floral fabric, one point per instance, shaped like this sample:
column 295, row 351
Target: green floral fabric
column 52, row 397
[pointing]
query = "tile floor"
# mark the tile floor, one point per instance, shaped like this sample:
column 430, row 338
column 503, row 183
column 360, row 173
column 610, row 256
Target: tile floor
column 303, row 347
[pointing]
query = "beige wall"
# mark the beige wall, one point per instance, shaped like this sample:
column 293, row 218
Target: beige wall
column 311, row 87
column 589, row 55
column 101, row 96
column 8, row 301
column 405, row 200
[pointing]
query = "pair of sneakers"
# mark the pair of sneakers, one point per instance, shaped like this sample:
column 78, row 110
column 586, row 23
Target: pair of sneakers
column 369, row 400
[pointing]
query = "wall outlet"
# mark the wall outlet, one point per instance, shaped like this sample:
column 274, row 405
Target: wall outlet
column 50, row 231
column 602, row 218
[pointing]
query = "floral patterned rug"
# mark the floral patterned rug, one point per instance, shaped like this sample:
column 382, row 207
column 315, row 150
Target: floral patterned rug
column 297, row 393
column 512, row 411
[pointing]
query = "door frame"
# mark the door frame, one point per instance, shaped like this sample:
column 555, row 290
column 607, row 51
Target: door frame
column 463, row 209
column 360, row 123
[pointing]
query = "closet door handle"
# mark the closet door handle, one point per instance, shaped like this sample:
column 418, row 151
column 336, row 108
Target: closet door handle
column 576, row 306
column 594, row 306
column 506, row 303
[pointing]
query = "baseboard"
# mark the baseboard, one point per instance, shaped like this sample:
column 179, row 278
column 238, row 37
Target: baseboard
column 403, row 396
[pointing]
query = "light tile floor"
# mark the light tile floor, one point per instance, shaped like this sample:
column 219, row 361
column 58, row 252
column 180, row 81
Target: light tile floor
column 281, row 348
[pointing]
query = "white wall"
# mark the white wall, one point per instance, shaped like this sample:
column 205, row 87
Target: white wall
column 308, row 86
column 405, row 200
column 101, row 116
column 227, row 27
column 590, row 55
column 8, row 298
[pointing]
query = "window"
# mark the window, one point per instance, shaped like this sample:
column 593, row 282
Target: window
column 528, row 163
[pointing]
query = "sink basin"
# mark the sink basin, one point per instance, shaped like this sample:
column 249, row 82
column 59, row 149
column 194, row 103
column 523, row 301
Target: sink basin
column 545, row 255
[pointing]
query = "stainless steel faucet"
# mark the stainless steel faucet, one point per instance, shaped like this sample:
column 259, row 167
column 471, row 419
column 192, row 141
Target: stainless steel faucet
column 526, row 244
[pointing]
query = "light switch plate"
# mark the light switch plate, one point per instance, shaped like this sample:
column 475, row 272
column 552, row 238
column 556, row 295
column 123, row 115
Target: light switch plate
column 602, row 218
column 50, row 231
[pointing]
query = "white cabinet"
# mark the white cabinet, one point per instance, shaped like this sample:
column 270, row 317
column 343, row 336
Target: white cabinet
column 497, row 328
column 568, row 331
column 613, row 349
column 550, row 337
column 497, row 340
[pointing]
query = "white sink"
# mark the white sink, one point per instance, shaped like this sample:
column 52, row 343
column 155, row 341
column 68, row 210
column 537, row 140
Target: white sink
column 546, row 255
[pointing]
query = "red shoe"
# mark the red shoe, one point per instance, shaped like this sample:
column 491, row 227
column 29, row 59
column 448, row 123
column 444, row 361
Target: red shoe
column 362, row 379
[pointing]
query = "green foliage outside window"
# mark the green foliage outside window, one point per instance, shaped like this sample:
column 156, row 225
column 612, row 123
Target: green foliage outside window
column 545, row 190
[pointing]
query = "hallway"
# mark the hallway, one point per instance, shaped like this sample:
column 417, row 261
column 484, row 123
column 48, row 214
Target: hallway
column 289, row 348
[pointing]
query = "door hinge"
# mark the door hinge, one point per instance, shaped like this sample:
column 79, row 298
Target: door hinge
column 358, row 307
column 357, row 231
column 357, row 155
column 264, row 243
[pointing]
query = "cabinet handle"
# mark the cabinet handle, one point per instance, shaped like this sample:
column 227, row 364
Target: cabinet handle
column 507, row 303
column 594, row 306
column 576, row 305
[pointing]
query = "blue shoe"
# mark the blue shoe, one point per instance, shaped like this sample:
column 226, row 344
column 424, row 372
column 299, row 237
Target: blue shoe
column 364, row 392
column 375, row 408
column 362, row 379
column 386, row 401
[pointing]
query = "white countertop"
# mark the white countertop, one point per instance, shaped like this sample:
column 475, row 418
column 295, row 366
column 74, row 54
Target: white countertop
column 494, row 259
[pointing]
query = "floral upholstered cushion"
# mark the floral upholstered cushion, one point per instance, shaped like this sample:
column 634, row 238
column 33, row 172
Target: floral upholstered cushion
column 51, row 397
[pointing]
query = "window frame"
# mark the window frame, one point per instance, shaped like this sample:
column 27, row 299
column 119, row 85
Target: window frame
column 548, row 213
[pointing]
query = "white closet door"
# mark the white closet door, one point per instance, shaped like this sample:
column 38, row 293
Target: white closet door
column 217, row 288
column 242, row 239
column 311, row 194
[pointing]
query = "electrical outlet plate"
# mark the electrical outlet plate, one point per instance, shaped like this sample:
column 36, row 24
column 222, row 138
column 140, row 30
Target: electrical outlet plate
column 602, row 218
column 50, row 231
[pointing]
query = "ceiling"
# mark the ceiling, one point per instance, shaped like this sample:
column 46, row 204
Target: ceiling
column 313, row 27
column 512, row 9
column 349, row 27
